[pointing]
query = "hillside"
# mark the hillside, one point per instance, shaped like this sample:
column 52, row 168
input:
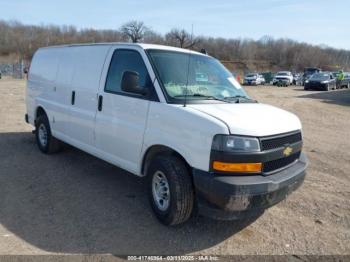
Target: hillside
column 19, row 42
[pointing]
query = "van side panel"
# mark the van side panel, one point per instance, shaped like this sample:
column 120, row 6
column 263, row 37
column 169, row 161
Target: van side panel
column 41, row 82
column 54, row 74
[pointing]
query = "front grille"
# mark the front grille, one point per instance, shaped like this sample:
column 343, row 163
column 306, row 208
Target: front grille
column 279, row 163
column 314, row 84
column 272, row 143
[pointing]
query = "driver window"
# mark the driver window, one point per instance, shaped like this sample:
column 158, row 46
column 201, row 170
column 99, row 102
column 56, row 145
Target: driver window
column 126, row 60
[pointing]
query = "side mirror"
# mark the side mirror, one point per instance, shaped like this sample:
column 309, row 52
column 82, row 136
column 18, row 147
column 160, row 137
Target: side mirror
column 130, row 83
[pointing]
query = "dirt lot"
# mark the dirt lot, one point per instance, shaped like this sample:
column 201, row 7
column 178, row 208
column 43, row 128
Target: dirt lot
column 75, row 203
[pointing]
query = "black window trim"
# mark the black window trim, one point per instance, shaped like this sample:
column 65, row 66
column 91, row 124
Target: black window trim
column 152, row 95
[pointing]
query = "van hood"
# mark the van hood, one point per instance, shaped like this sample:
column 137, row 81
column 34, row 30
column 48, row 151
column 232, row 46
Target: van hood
column 252, row 119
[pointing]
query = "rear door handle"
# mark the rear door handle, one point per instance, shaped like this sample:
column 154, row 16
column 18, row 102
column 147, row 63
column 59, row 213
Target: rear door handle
column 100, row 102
column 73, row 98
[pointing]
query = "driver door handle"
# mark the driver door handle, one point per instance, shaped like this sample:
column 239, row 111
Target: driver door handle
column 100, row 102
column 73, row 98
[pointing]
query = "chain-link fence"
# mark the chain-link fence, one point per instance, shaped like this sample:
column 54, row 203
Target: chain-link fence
column 15, row 70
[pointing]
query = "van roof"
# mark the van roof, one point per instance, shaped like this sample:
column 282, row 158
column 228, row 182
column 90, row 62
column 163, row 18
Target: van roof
column 143, row 46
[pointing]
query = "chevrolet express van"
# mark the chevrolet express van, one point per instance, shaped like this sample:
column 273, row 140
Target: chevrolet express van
column 175, row 116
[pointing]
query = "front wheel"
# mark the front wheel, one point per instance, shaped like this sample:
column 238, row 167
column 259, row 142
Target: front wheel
column 170, row 189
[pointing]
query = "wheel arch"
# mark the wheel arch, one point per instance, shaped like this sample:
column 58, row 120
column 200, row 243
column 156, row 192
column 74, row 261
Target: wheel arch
column 155, row 150
column 39, row 111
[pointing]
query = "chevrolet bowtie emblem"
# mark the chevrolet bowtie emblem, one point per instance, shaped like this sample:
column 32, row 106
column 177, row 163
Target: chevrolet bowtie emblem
column 287, row 151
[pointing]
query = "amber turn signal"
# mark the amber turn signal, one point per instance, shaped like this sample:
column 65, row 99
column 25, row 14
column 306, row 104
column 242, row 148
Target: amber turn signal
column 237, row 167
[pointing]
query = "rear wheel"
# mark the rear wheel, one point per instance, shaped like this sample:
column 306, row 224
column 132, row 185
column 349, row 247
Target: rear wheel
column 170, row 189
column 45, row 141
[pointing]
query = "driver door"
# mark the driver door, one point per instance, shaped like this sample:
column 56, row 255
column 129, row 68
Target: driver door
column 121, row 117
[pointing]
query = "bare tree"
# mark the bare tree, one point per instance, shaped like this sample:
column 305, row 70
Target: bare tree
column 153, row 37
column 134, row 30
column 181, row 38
column 21, row 41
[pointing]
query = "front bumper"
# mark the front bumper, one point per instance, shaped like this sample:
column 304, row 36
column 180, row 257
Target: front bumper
column 318, row 86
column 281, row 81
column 234, row 197
column 250, row 82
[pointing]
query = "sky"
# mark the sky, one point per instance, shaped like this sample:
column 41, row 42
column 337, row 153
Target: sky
column 318, row 22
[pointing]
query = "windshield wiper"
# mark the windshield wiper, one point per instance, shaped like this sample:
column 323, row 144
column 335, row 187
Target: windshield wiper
column 205, row 97
column 239, row 98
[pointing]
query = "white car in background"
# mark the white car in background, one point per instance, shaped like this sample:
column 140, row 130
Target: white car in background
column 254, row 79
column 283, row 78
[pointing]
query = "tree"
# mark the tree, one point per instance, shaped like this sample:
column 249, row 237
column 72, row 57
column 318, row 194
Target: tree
column 181, row 38
column 20, row 41
column 152, row 37
column 134, row 30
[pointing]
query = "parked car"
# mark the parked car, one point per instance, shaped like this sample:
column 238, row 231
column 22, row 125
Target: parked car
column 284, row 78
column 309, row 71
column 345, row 83
column 321, row 81
column 189, row 128
column 254, row 79
column 297, row 79
column 268, row 76
column 335, row 74
column 262, row 79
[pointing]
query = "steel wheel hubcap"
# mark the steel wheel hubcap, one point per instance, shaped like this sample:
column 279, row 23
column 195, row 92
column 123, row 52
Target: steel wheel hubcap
column 160, row 190
column 42, row 134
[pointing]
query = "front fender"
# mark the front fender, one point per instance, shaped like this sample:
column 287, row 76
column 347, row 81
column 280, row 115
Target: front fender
column 183, row 129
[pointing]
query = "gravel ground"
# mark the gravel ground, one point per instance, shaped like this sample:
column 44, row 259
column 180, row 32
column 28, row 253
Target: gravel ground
column 74, row 203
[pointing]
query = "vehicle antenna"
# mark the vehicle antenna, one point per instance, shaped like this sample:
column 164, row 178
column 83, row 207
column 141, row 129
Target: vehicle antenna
column 188, row 66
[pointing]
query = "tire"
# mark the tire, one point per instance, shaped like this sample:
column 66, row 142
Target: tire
column 44, row 139
column 178, row 203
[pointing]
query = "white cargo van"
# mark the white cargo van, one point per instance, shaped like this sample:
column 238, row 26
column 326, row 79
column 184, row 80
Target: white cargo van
column 176, row 116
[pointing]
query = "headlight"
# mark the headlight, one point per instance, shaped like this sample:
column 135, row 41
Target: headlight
column 324, row 82
column 306, row 81
column 229, row 143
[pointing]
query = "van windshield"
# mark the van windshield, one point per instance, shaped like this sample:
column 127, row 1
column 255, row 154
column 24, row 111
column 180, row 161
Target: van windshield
column 196, row 76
